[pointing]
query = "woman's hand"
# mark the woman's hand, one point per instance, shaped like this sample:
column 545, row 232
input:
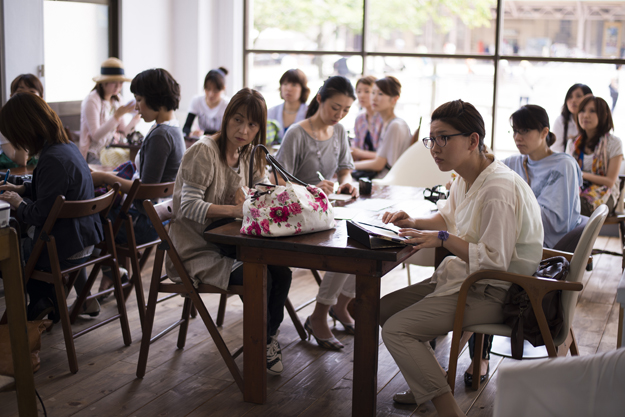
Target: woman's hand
column 398, row 218
column 240, row 195
column 326, row 186
column 12, row 198
column 19, row 189
column 121, row 110
column 348, row 188
column 197, row 134
column 421, row 238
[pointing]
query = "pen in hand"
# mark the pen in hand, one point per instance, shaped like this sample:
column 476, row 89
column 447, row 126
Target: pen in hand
column 6, row 178
column 322, row 178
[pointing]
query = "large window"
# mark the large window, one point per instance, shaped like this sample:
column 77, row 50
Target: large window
column 442, row 50
column 78, row 38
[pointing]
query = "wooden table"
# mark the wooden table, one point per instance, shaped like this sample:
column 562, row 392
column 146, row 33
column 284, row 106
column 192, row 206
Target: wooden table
column 16, row 313
column 329, row 250
column 27, row 170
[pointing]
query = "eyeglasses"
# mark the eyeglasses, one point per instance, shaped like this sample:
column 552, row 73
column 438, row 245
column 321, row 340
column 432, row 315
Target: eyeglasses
column 521, row 132
column 440, row 140
column 435, row 193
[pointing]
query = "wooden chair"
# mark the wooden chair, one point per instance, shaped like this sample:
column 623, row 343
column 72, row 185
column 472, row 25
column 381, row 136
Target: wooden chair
column 131, row 250
column 618, row 217
column 62, row 279
column 536, row 288
column 159, row 214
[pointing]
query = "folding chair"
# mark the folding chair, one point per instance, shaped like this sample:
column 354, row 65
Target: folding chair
column 158, row 214
column 130, row 250
column 62, row 279
column 617, row 217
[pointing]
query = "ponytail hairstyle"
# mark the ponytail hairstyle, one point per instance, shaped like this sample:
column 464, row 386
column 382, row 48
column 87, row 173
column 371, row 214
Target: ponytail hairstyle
column 389, row 85
column 603, row 127
column 256, row 110
column 217, row 77
column 331, row 87
column 462, row 116
column 532, row 117
column 565, row 109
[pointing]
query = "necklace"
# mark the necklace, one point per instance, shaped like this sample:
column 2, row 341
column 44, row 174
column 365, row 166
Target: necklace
column 313, row 130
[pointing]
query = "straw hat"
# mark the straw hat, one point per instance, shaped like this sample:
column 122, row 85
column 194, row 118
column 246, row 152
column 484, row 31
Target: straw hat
column 111, row 70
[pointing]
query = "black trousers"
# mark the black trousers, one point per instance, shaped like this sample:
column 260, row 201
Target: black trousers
column 278, row 285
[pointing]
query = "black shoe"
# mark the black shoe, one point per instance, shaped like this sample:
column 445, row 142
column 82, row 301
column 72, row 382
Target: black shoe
column 40, row 309
column 468, row 378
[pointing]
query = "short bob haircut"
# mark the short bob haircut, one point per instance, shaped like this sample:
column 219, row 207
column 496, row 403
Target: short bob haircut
column 30, row 81
column 217, row 77
column 256, row 111
column 158, row 88
column 532, row 117
column 29, row 123
column 605, row 121
column 463, row 117
column 296, row 76
column 389, row 85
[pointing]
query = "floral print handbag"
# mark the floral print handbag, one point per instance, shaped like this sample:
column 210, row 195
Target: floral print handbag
column 284, row 210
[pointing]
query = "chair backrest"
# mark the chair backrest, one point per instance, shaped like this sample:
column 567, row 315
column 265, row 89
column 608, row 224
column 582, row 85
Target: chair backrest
column 69, row 210
column 415, row 168
column 620, row 206
column 417, row 133
column 140, row 191
column 159, row 214
column 578, row 266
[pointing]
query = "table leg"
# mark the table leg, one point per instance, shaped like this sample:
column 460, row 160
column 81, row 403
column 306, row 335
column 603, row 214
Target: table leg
column 367, row 316
column 16, row 314
column 255, row 332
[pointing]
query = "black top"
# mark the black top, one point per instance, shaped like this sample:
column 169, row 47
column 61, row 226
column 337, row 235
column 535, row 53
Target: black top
column 61, row 170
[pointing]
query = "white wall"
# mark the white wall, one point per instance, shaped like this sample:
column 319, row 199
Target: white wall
column 23, row 39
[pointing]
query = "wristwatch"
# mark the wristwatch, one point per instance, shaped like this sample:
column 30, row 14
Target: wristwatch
column 443, row 236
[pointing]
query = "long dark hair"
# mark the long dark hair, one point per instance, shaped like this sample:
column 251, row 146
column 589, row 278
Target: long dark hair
column 257, row 112
column 29, row 123
column 605, row 121
column 532, row 117
column 331, row 87
column 462, row 116
column 565, row 109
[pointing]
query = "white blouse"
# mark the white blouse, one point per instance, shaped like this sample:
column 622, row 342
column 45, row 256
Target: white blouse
column 500, row 218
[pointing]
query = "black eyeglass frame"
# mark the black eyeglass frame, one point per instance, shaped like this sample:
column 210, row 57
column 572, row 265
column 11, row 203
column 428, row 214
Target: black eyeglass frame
column 430, row 140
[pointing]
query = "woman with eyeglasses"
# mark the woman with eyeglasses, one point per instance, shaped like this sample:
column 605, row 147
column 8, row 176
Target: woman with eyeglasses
column 555, row 179
column 490, row 221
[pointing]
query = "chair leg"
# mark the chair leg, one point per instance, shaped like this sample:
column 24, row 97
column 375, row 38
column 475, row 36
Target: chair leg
column 184, row 326
column 59, row 290
column 193, row 311
column 137, row 284
column 622, row 233
column 80, row 298
column 457, row 342
column 296, row 321
column 221, row 311
column 121, row 304
column 316, row 276
column 149, row 318
column 477, row 360
column 407, row 266
column 573, row 348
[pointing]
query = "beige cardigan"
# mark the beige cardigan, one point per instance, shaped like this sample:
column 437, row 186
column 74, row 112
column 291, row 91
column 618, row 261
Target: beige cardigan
column 202, row 167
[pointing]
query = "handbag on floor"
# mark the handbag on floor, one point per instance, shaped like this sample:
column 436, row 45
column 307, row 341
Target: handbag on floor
column 284, row 210
column 34, row 329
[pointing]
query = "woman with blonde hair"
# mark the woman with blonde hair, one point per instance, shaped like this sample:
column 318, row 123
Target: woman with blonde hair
column 102, row 114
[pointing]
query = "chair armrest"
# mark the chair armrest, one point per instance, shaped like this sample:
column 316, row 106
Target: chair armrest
column 550, row 253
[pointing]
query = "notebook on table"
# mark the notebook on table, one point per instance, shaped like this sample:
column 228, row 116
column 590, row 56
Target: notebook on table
column 374, row 236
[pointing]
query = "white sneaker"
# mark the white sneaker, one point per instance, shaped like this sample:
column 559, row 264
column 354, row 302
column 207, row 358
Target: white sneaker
column 274, row 356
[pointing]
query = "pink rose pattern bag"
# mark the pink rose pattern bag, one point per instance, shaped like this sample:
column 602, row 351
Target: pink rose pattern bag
column 284, row 210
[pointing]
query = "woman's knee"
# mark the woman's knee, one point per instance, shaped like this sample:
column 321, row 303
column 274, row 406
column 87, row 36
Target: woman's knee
column 387, row 309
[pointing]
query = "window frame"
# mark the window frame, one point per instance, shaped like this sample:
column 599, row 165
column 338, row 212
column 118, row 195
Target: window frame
column 496, row 58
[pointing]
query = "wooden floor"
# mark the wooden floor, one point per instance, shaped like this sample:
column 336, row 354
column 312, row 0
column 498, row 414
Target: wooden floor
column 195, row 382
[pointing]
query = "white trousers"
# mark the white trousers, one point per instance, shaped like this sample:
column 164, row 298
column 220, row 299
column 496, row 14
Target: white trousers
column 333, row 284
